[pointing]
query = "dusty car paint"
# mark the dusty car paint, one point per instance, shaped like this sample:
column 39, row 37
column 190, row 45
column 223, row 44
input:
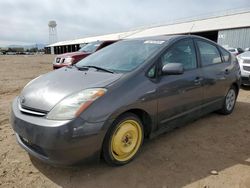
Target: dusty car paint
column 163, row 101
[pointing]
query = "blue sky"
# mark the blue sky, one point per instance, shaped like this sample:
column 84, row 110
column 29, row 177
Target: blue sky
column 26, row 21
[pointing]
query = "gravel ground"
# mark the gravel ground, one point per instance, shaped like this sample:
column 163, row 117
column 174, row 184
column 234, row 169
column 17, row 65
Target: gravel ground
column 213, row 152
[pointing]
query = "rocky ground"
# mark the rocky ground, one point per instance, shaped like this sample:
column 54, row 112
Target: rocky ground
column 213, row 152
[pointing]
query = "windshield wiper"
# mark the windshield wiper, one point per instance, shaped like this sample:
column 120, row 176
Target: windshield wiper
column 95, row 67
column 79, row 68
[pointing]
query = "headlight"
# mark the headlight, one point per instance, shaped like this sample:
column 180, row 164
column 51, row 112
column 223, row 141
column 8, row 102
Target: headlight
column 73, row 105
column 68, row 60
column 55, row 60
column 240, row 60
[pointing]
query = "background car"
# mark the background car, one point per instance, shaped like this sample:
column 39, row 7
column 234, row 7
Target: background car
column 247, row 49
column 74, row 57
column 244, row 62
column 235, row 51
column 110, row 101
column 11, row 53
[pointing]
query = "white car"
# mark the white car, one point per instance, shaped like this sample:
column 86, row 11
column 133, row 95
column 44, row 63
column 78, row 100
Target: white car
column 244, row 61
column 11, row 53
column 247, row 49
column 235, row 51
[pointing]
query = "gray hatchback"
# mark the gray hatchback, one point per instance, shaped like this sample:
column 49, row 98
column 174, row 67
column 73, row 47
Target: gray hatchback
column 105, row 105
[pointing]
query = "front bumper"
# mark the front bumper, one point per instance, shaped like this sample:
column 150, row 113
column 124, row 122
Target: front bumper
column 245, row 80
column 245, row 73
column 57, row 142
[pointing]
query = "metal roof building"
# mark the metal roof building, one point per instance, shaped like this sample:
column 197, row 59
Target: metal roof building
column 230, row 29
column 74, row 45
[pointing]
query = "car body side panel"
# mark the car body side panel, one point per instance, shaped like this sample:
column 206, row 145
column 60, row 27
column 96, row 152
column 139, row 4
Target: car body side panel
column 179, row 95
column 136, row 92
column 214, row 81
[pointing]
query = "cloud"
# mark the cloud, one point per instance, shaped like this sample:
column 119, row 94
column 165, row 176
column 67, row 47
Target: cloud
column 26, row 20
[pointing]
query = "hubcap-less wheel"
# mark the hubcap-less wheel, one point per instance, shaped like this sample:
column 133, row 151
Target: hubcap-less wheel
column 230, row 99
column 126, row 140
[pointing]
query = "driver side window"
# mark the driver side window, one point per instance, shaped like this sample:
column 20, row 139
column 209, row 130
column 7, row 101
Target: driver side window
column 181, row 52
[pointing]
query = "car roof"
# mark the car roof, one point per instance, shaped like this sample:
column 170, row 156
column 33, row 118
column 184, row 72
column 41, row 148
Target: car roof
column 169, row 38
column 161, row 37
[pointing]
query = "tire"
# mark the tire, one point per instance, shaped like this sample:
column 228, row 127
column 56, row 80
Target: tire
column 123, row 140
column 229, row 101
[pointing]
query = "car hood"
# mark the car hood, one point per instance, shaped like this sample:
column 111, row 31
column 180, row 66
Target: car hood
column 72, row 54
column 44, row 92
column 245, row 55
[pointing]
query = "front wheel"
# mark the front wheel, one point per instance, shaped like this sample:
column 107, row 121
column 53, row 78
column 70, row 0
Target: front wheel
column 123, row 140
column 229, row 101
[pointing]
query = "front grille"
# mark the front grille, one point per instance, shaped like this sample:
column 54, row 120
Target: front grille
column 30, row 111
column 246, row 61
column 246, row 68
column 33, row 147
column 245, row 78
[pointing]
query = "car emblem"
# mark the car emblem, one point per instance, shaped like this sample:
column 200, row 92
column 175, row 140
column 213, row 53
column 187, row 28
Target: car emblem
column 22, row 99
column 26, row 140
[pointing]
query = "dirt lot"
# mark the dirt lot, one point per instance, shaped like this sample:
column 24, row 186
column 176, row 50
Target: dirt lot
column 182, row 158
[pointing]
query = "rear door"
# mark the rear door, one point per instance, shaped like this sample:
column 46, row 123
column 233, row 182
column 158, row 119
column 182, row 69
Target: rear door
column 214, row 70
column 179, row 96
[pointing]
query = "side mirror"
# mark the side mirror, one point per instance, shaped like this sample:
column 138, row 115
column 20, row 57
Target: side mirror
column 173, row 69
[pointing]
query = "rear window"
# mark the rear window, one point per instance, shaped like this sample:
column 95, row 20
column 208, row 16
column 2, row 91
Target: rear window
column 209, row 53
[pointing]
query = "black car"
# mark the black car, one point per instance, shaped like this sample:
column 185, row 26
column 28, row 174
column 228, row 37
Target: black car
column 106, row 104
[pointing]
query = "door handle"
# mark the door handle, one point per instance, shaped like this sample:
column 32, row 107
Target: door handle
column 151, row 91
column 227, row 71
column 197, row 81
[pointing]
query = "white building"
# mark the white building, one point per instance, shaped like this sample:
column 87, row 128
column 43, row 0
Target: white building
column 230, row 29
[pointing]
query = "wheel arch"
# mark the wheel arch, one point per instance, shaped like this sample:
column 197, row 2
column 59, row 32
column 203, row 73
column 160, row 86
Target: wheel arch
column 237, row 87
column 143, row 115
column 146, row 119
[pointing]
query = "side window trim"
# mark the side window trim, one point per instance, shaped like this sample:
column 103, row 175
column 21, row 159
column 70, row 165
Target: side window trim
column 155, row 65
column 222, row 56
column 197, row 52
column 200, row 61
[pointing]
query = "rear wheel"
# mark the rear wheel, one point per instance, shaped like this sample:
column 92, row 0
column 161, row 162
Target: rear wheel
column 123, row 140
column 229, row 102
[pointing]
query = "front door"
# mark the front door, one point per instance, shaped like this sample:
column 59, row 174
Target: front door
column 180, row 96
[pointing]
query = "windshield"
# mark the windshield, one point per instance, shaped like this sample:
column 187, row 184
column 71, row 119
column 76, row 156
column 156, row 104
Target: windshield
column 90, row 47
column 123, row 56
column 231, row 50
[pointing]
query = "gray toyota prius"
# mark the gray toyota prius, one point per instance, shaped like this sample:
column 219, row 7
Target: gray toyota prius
column 108, row 103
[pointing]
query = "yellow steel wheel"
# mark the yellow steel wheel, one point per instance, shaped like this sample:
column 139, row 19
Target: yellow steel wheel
column 126, row 140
